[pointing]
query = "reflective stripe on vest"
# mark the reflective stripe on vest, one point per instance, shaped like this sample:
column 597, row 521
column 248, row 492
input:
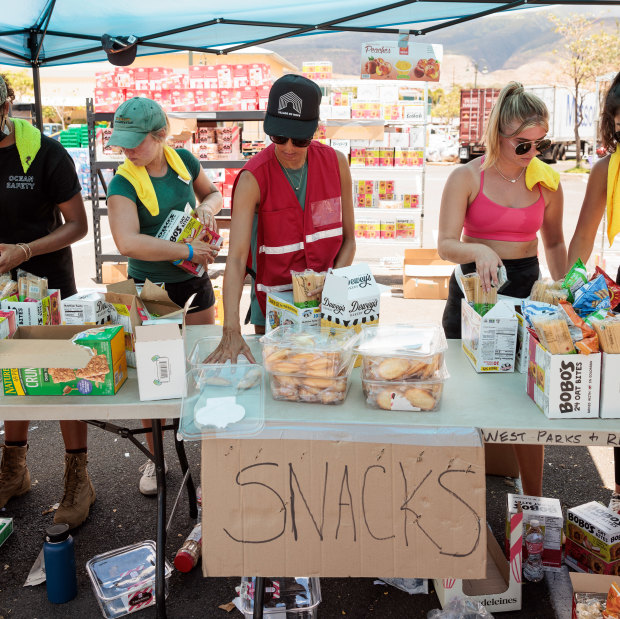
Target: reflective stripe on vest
column 324, row 234
column 283, row 249
column 268, row 289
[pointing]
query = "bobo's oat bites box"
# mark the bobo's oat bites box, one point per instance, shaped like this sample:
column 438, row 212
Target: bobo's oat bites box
column 178, row 228
column 549, row 513
column 43, row 312
column 596, row 529
column 64, row 360
column 588, row 561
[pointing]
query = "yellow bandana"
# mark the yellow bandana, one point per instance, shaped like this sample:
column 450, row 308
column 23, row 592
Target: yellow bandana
column 613, row 199
column 539, row 172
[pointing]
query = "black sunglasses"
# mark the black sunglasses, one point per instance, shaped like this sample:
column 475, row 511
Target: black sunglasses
column 617, row 136
column 280, row 139
column 540, row 145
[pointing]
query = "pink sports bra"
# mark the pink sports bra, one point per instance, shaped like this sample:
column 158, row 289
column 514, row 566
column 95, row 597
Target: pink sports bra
column 486, row 219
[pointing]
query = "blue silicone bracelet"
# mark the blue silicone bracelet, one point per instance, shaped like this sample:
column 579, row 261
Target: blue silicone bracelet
column 191, row 252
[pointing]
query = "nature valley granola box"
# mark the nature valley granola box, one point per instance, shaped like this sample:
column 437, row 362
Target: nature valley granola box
column 63, row 360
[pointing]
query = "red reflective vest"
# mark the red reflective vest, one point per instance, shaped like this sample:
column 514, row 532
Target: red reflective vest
column 289, row 238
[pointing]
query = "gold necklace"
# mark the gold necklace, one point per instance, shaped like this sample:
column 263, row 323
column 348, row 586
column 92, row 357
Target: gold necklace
column 510, row 180
column 296, row 185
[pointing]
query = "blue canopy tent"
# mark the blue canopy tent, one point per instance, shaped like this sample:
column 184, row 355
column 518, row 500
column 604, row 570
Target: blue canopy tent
column 39, row 33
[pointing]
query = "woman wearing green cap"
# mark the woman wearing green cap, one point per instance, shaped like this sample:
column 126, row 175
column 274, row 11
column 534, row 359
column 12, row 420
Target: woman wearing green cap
column 41, row 214
column 155, row 180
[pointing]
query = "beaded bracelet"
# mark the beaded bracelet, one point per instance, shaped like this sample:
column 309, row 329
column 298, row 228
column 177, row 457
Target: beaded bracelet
column 26, row 249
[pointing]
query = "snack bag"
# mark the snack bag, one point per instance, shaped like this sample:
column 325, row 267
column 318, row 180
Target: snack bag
column 584, row 337
column 303, row 283
column 8, row 286
column 612, row 608
column 532, row 309
column 614, row 289
column 576, row 277
column 469, row 284
column 608, row 332
column 553, row 334
column 31, row 287
column 591, row 296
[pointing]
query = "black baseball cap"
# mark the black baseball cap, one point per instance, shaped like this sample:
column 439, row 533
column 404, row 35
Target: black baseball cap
column 293, row 107
column 121, row 50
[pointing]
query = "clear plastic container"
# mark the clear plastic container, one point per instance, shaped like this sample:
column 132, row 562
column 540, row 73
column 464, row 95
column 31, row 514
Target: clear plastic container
column 401, row 352
column 317, row 390
column 311, row 351
column 222, row 399
column 124, row 579
column 419, row 395
column 284, row 597
column 203, row 347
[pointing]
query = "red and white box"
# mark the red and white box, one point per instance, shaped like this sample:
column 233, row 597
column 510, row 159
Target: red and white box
column 141, row 78
column 196, row 76
column 229, row 99
column 248, row 99
column 210, row 76
column 224, row 75
column 262, row 94
column 240, row 76
column 258, row 73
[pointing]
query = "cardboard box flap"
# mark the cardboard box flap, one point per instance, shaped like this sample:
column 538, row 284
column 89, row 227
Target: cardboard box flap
column 502, row 309
column 61, row 353
column 156, row 333
column 157, row 301
column 591, row 583
column 127, row 286
column 428, row 270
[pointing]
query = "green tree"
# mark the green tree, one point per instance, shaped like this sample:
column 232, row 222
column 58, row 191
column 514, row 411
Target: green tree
column 585, row 52
column 448, row 105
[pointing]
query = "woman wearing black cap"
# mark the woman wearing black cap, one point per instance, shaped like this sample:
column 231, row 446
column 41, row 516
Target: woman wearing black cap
column 41, row 214
column 292, row 210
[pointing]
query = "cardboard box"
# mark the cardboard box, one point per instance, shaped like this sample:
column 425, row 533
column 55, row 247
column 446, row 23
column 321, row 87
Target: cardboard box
column 594, row 526
column 112, row 272
column 6, row 528
column 587, row 560
column 160, row 361
column 425, row 274
column 589, row 583
column 500, row 460
column 59, row 360
column 548, row 512
column 307, row 517
column 563, row 386
column 490, row 341
column 87, row 307
column 43, row 312
column 500, row 591
column 610, row 386
column 179, row 227
column 282, row 311
column 7, row 324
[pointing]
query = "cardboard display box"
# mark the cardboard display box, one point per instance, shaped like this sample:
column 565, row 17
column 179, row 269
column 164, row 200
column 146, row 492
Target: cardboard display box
column 563, row 386
column 490, row 341
column 63, row 360
column 589, row 583
column 281, row 310
column 548, row 512
column 594, row 526
column 43, row 312
column 610, row 386
column 500, row 590
column 425, row 274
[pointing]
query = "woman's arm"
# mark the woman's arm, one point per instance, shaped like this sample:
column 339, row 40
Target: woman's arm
column 347, row 249
column 125, row 227
column 74, row 228
column 209, row 200
column 455, row 199
column 553, row 235
column 246, row 199
column 591, row 213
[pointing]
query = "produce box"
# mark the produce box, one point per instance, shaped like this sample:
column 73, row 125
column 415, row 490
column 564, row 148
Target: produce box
column 63, row 360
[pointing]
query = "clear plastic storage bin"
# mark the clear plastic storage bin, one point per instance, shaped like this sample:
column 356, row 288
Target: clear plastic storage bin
column 401, row 352
column 419, row 395
column 124, row 579
column 311, row 351
column 290, row 598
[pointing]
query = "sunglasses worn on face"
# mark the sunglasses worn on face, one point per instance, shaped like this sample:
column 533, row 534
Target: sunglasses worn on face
column 524, row 147
column 280, row 139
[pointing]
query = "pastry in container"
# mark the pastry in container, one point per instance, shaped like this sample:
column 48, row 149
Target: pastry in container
column 318, row 352
column 419, row 395
column 401, row 352
column 313, row 389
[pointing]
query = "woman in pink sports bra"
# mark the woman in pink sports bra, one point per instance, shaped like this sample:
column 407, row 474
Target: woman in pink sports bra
column 490, row 218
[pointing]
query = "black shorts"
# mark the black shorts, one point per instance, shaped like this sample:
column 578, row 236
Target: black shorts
column 179, row 292
column 521, row 273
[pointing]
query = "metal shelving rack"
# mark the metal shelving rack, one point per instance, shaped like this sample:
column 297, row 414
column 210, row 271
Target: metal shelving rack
column 97, row 166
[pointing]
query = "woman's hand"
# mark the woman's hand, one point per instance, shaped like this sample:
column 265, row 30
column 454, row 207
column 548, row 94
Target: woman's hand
column 230, row 347
column 487, row 263
column 204, row 253
column 11, row 256
column 206, row 216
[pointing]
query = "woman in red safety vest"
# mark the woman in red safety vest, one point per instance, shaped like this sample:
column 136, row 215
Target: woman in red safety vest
column 292, row 209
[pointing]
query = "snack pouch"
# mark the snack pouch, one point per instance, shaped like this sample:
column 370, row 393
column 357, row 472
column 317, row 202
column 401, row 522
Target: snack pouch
column 530, row 309
column 31, row 287
column 614, row 289
column 576, row 277
column 469, row 283
column 612, row 608
column 598, row 314
column 303, row 283
column 552, row 332
column 591, row 296
column 584, row 337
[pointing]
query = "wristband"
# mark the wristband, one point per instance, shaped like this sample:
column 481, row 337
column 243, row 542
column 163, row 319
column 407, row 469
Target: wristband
column 191, row 252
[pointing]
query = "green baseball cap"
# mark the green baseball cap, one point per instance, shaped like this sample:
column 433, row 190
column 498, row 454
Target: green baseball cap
column 134, row 120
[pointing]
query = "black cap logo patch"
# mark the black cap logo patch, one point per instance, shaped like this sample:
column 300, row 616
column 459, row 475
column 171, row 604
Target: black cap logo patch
column 289, row 105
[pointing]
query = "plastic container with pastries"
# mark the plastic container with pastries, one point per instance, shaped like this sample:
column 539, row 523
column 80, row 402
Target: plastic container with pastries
column 406, row 395
column 313, row 389
column 401, row 352
column 310, row 351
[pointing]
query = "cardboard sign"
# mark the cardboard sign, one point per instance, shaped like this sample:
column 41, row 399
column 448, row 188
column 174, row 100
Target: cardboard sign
column 394, row 60
column 340, row 508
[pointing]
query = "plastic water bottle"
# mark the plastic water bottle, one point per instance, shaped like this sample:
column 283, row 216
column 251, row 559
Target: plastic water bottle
column 59, row 558
column 533, row 568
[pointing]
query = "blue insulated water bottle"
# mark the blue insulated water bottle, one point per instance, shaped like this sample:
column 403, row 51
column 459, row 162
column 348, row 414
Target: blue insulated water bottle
column 59, row 558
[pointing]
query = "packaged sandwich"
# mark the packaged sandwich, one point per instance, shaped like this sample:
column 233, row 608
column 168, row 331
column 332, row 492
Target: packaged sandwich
column 548, row 291
column 31, row 287
column 552, row 332
column 608, row 331
column 475, row 294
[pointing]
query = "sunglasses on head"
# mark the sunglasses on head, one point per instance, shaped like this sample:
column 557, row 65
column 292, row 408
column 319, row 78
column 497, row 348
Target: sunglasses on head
column 280, row 139
column 524, row 147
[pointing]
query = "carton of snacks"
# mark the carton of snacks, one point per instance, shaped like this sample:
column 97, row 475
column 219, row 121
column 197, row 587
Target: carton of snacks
column 180, row 227
column 548, row 512
column 314, row 389
column 590, row 593
column 406, row 395
column 87, row 307
column 7, row 324
column 303, row 283
column 281, row 310
column 401, row 352
column 8, row 286
column 310, row 351
column 45, row 311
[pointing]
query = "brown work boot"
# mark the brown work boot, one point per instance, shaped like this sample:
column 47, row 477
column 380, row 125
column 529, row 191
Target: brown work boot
column 79, row 492
column 14, row 474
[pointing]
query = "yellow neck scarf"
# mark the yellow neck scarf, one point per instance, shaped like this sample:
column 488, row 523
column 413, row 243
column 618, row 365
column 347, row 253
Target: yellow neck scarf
column 538, row 171
column 28, row 141
column 613, row 197
column 141, row 181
